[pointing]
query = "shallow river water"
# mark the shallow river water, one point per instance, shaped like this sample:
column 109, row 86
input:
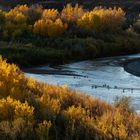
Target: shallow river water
column 102, row 78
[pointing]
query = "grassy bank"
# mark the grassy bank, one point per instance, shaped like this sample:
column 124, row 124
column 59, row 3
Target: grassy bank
column 32, row 110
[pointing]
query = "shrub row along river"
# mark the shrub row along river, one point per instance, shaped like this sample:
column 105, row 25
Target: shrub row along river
column 102, row 78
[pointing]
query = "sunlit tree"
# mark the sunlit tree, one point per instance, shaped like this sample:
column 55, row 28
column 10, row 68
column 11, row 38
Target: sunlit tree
column 102, row 19
column 52, row 14
column 72, row 14
column 50, row 28
column 90, row 21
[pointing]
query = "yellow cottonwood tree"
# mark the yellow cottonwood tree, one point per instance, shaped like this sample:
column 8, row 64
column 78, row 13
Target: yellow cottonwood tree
column 112, row 18
column 52, row 14
column 50, row 28
column 102, row 19
column 90, row 21
column 21, row 8
column 15, row 16
column 57, row 28
column 72, row 14
column 16, row 22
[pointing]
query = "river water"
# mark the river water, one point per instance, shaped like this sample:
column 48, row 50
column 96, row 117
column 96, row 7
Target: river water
column 101, row 78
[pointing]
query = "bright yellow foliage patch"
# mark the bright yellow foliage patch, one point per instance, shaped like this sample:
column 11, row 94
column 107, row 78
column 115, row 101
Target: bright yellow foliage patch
column 72, row 14
column 51, row 23
column 50, row 28
column 102, row 19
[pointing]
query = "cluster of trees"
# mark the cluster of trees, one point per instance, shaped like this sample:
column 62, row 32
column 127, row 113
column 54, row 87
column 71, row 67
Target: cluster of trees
column 32, row 110
column 16, row 22
column 100, row 19
column 23, row 20
column 71, row 31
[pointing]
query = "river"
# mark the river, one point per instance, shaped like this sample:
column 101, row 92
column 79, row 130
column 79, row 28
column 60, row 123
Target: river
column 101, row 78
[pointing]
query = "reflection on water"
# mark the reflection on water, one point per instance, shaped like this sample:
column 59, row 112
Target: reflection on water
column 103, row 78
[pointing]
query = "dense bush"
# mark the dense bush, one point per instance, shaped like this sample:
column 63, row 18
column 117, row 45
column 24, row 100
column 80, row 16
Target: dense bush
column 32, row 110
column 64, row 50
column 26, row 55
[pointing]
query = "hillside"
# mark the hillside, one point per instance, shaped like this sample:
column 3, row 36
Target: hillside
column 37, row 111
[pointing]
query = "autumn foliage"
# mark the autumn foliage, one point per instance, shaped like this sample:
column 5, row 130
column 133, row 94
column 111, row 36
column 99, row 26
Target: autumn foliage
column 72, row 14
column 49, row 28
column 38, row 111
column 33, row 110
column 102, row 19
column 23, row 21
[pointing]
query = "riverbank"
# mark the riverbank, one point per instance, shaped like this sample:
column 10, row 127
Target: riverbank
column 130, row 65
column 67, row 50
column 103, row 78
